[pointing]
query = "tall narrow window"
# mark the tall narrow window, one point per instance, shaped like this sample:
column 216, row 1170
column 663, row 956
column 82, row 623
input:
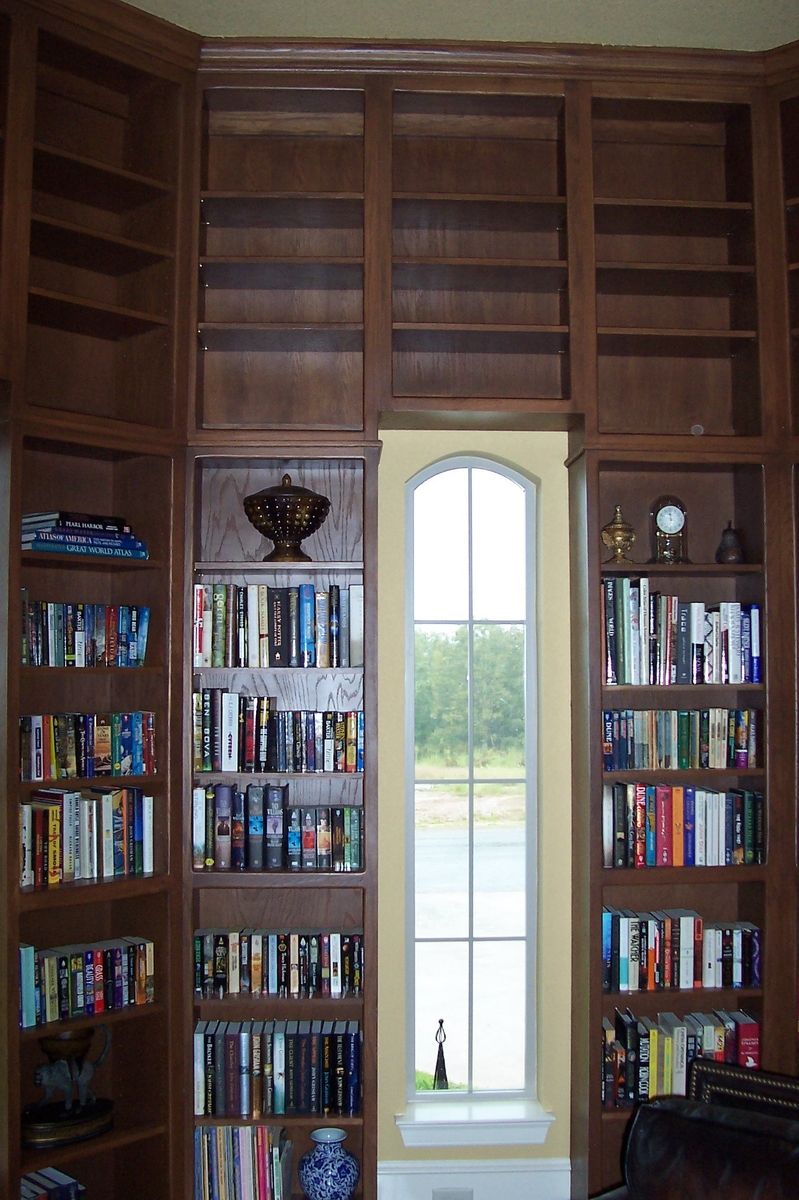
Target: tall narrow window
column 472, row 778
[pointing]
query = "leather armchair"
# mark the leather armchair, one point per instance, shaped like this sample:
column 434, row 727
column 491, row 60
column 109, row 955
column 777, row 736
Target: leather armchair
column 683, row 1149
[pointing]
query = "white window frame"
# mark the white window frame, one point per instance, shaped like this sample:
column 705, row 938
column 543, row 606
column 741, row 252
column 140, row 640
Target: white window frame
column 458, row 1118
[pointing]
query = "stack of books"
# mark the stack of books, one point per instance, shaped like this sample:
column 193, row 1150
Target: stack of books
column 62, row 532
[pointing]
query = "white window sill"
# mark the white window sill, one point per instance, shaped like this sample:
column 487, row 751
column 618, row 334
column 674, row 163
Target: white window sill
column 474, row 1123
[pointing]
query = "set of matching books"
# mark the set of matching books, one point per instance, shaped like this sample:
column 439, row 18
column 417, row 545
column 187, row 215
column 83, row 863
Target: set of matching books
column 84, row 980
column 242, row 1162
column 71, row 745
column 97, row 833
column 56, row 634
column 256, row 625
column 680, row 739
column 642, row 1057
column 676, row 948
column 48, row 1183
column 256, row 962
column 260, row 1068
column 62, row 532
column 654, row 638
column 232, row 732
column 675, row 825
column 257, row 829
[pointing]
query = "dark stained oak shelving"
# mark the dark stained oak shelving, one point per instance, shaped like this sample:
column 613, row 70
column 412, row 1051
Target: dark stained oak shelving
column 226, row 260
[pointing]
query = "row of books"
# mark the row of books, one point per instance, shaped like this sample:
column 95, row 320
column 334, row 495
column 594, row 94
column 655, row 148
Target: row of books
column 256, row 625
column 680, row 739
column 257, row 829
column 257, row 962
column 49, row 1183
column 677, row 948
column 64, row 982
column 644, row 1057
column 242, row 1162
column 81, row 533
column 276, row 1067
column 63, row 634
column 96, row 833
column 233, row 732
column 676, row 825
column 652, row 637
column 72, row 745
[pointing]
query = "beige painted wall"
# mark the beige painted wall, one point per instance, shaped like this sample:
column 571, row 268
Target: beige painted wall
column 724, row 24
column 542, row 456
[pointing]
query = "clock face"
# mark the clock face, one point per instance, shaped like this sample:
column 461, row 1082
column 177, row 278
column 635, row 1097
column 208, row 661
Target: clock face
column 670, row 518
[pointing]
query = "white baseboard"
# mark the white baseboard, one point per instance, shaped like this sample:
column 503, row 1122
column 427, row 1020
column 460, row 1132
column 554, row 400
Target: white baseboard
column 475, row 1179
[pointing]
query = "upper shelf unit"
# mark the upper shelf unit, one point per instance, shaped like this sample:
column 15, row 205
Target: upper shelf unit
column 789, row 123
column 280, row 328
column 675, row 268
column 101, row 288
column 479, row 275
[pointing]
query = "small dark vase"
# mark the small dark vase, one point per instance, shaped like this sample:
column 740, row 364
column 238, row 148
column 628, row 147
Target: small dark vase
column 730, row 549
column 328, row 1172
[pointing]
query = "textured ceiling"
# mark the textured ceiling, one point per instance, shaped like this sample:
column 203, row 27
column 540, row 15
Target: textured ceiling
column 721, row 24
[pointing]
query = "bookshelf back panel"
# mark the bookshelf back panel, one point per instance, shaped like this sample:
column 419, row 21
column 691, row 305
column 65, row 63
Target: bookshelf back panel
column 284, row 164
column 90, row 479
column 282, row 292
column 441, row 228
column 294, row 687
column 479, row 364
column 281, row 910
column 117, row 1171
column 224, row 534
column 104, row 109
column 126, row 380
column 710, row 390
column 663, row 150
column 241, row 226
column 712, row 496
column 789, row 117
column 492, row 295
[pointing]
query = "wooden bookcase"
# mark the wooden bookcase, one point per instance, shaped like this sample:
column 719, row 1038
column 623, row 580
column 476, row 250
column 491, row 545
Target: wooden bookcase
column 222, row 261
column 675, row 267
column 789, row 133
column 226, row 548
column 479, row 272
column 281, row 258
column 94, row 124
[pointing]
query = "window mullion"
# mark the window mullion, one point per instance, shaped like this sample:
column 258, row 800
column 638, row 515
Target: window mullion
column 470, row 762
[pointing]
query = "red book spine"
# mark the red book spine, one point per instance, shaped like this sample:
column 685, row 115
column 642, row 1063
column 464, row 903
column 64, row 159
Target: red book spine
column 663, row 826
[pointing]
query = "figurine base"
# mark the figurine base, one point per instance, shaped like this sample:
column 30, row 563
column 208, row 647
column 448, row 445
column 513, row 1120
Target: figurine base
column 48, row 1125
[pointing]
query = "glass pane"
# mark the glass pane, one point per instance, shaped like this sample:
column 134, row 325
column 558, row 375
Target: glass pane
column 498, row 1024
column 441, row 701
column 442, row 992
column 498, row 699
column 500, row 860
column 441, row 860
column 499, row 542
column 441, row 548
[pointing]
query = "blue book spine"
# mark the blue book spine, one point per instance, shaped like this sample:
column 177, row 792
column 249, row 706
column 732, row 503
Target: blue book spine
column 689, row 826
column 115, row 551
column 607, row 919
column 608, row 756
column 143, row 631
column 307, row 621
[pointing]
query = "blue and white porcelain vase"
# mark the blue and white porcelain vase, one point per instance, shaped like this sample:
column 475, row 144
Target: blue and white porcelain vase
column 328, row 1171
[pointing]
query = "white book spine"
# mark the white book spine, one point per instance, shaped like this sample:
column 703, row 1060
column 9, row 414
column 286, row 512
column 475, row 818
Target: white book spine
column 230, row 731
column 253, row 627
column 107, row 837
column 147, row 835
column 356, row 625
column 26, row 874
